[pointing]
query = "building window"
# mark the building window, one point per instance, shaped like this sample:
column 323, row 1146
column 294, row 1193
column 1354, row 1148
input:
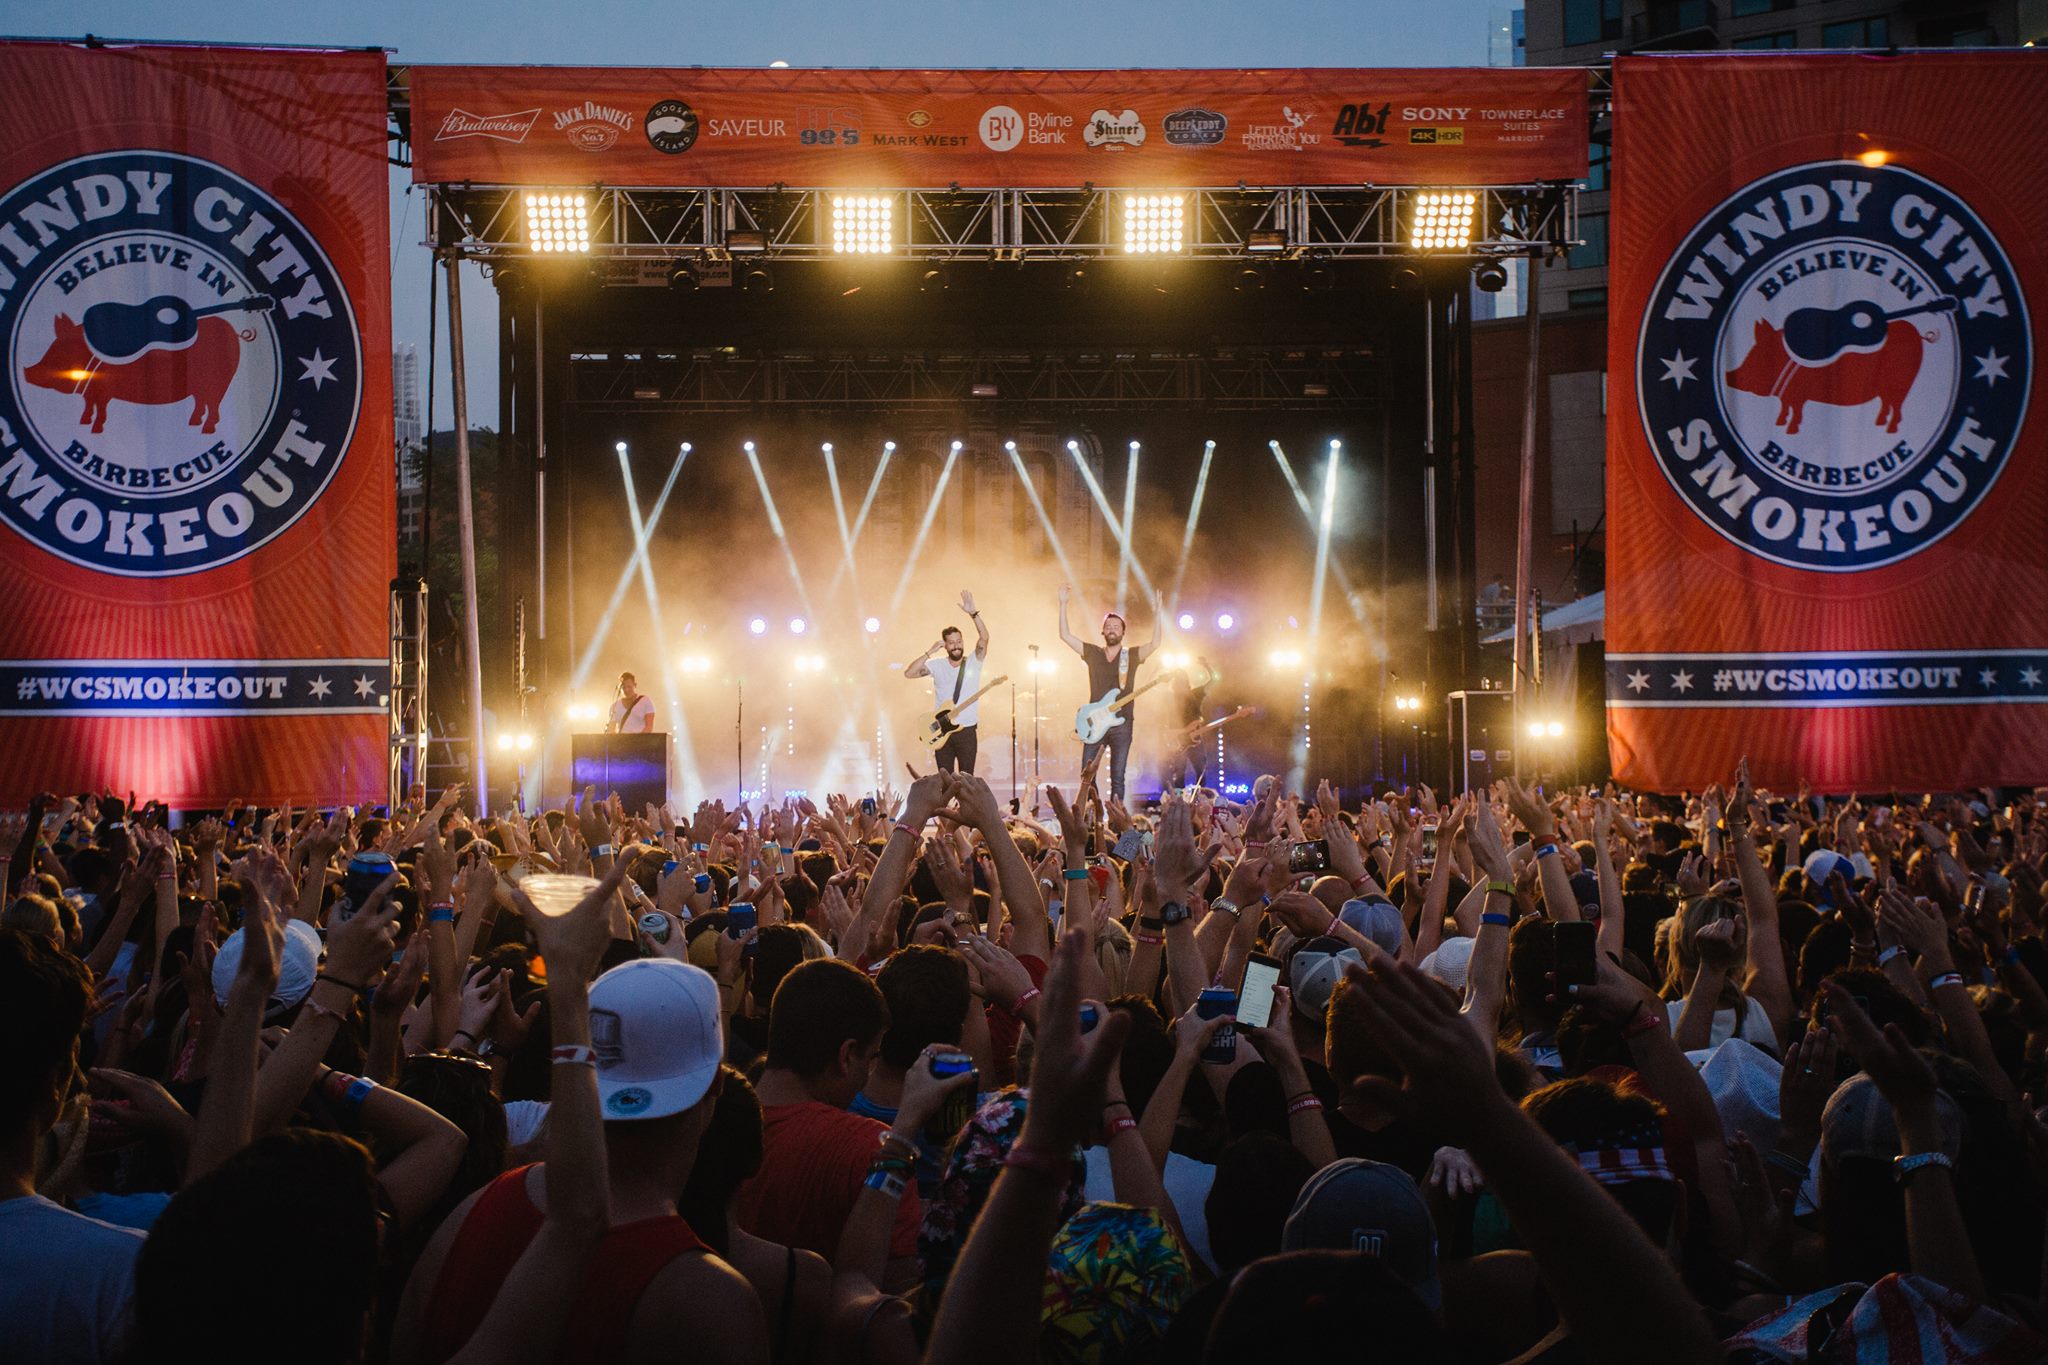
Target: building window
column 1592, row 21
column 1595, row 297
column 1764, row 42
column 1857, row 33
column 1743, row 8
column 1597, row 157
column 1592, row 251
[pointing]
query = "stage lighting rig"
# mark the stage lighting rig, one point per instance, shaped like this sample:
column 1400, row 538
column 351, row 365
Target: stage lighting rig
column 557, row 222
column 1154, row 224
column 1443, row 220
column 1225, row 621
column 1490, row 276
column 1187, row 620
column 863, row 224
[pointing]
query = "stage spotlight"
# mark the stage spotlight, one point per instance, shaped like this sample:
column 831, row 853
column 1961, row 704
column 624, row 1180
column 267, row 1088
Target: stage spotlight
column 863, row 224
column 1187, row 620
column 1407, row 703
column 810, row 663
column 695, row 663
column 758, row 626
column 1154, row 224
column 504, row 741
column 1042, row 667
column 522, row 742
column 1249, row 280
column 1555, row 729
column 1490, row 276
column 1443, row 220
column 872, row 625
column 934, row 281
column 1173, row 659
column 797, row 625
column 682, row 277
column 758, row 280
column 557, row 222
column 1225, row 621
column 1285, row 658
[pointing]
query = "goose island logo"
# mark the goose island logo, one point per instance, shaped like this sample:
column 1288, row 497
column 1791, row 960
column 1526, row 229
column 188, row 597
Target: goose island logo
column 183, row 370
column 1834, row 367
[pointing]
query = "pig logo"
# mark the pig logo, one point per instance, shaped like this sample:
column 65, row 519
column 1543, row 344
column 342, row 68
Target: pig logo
column 1834, row 366
column 183, row 368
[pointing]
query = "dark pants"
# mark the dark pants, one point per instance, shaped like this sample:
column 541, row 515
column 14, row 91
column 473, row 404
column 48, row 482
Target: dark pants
column 958, row 751
column 1119, row 743
column 1186, row 768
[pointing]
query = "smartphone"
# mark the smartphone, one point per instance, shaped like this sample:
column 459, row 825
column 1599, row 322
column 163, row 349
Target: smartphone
column 1575, row 943
column 1215, row 1000
column 1128, row 845
column 1429, row 828
column 1313, row 856
column 1255, row 991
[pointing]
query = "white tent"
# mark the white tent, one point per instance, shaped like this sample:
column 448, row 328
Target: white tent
column 1563, row 630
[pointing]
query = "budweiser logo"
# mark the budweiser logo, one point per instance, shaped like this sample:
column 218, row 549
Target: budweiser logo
column 504, row 127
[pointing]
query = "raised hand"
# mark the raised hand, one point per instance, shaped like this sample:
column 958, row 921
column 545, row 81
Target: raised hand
column 1071, row 1070
column 1902, row 1075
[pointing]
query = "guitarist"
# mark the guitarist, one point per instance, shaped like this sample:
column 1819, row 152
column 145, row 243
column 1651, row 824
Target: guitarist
column 1184, row 768
column 954, row 677
column 1111, row 665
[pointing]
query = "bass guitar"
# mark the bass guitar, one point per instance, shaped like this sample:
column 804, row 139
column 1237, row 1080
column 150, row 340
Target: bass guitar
column 1190, row 733
column 942, row 726
column 1098, row 718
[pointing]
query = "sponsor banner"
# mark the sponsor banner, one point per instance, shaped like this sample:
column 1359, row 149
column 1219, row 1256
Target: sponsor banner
column 529, row 125
column 196, row 504
column 1826, row 478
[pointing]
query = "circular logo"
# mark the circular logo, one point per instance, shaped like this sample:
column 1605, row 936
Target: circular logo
column 918, row 118
column 1834, row 366
column 183, row 368
column 1001, row 128
column 629, row 1101
column 671, row 127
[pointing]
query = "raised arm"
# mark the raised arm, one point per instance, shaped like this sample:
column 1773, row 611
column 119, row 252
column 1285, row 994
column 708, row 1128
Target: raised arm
column 1031, row 930
column 1765, row 981
column 1067, row 636
column 980, row 626
column 920, row 667
column 1158, row 625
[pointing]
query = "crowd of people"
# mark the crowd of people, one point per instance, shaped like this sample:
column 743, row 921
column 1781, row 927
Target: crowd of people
column 1519, row 1076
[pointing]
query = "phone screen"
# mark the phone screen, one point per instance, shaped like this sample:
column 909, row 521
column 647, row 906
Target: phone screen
column 1255, row 995
column 1429, row 829
column 1575, row 944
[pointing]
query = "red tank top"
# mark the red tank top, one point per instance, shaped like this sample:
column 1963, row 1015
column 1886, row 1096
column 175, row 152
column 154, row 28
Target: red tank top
column 499, row 1226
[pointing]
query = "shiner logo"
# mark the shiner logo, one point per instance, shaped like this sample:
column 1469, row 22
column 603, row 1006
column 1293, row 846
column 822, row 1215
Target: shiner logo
column 460, row 123
column 1105, row 129
column 1834, row 366
column 183, row 371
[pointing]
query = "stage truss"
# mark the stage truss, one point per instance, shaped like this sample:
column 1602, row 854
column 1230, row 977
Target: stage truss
column 718, row 227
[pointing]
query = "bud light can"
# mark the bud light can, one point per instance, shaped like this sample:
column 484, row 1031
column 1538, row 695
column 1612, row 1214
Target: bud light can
column 655, row 925
column 366, row 872
column 1214, row 1001
column 958, row 1106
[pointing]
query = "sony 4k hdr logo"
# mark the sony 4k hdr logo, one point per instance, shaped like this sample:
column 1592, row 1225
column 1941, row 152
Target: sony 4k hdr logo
column 183, row 371
column 1834, row 366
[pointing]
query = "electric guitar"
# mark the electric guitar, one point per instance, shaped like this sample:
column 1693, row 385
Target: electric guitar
column 1098, row 718
column 120, row 331
column 1818, row 335
column 942, row 726
column 1192, row 731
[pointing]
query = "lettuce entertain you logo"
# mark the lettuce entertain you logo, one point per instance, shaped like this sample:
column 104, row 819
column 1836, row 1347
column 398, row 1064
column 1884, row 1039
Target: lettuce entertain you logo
column 183, row 370
column 1834, row 366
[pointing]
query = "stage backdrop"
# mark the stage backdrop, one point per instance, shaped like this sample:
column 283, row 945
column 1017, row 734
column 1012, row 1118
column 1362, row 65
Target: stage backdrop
column 1827, row 483
column 543, row 125
column 195, row 423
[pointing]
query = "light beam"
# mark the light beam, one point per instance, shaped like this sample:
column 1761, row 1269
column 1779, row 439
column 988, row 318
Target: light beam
column 1187, row 535
column 924, row 527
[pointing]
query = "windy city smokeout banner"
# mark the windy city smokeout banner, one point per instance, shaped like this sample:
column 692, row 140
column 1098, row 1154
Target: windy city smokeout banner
column 544, row 125
column 196, row 504
column 1827, row 486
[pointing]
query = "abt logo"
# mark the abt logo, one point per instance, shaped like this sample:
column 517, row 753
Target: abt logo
column 1361, row 125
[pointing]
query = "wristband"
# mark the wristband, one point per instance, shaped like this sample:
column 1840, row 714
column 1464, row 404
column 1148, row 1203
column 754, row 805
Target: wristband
column 914, row 831
column 1501, row 887
column 1228, row 907
column 442, row 913
column 573, row 1054
column 888, row 1183
column 463, row 1033
column 1645, row 1021
column 1888, row 954
column 601, row 851
column 1026, row 999
column 1364, row 880
column 1025, row 1158
column 903, row 1145
column 336, row 1084
column 1119, row 1126
column 1149, row 940
column 1945, row 979
column 896, row 1165
column 1303, row 1104
column 1543, row 850
column 1076, row 874
column 337, row 981
column 1904, row 1166
column 1494, row 917
column 700, row 848
column 1786, row 1162
column 358, row 1090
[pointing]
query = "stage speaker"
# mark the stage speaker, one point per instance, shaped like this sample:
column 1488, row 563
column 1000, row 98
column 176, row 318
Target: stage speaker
column 1590, row 714
column 634, row 766
column 1481, row 728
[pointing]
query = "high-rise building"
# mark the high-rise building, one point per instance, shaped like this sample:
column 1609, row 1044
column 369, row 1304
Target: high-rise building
column 408, row 429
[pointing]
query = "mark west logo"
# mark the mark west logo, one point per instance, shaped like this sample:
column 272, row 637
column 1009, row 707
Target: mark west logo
column 1194, row 127
column 593, row 127
column 184, row 372
column 460, row 123
column 1834, row 366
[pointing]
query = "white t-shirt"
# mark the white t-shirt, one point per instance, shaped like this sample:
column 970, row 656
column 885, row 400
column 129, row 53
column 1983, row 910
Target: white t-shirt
column 1187, row 1183
column 943, row 671
column 1756, row 1025
column 638, row 721
column 66, row 1282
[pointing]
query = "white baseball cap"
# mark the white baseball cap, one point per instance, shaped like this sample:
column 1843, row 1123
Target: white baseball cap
column 654, row 1023
column 296, row 967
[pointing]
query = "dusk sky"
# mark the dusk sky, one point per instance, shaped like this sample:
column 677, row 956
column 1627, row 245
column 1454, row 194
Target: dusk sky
column 938, row 33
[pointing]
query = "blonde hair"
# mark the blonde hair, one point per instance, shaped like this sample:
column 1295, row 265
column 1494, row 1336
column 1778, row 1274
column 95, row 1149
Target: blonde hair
column 1680, row 934
column 1113, row 948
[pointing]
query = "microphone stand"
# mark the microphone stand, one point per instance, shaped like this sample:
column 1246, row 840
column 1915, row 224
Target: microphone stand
column 739, row 738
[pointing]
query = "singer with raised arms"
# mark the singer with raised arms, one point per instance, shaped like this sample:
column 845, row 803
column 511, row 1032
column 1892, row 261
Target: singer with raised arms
column 955, row 677
column 1112, row 671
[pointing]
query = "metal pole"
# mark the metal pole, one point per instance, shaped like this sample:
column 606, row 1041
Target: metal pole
column 540, row 482
column 465, row 513
column 739, row 738
column 1429, row 604
column 1013, row 741
column 1524, row 518
column 1037, row 773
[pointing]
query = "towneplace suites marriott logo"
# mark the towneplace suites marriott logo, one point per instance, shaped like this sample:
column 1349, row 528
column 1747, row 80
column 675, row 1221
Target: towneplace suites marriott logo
column 183, row 368
column 1835, row 364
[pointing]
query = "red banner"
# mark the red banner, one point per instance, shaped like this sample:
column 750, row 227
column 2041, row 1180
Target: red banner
column 526, row 125
column 1826, row 488
column 196, row 503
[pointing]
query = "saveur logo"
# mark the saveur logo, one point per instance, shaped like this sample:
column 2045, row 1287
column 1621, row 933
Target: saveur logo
column 1834, row 365
column 183, row 369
